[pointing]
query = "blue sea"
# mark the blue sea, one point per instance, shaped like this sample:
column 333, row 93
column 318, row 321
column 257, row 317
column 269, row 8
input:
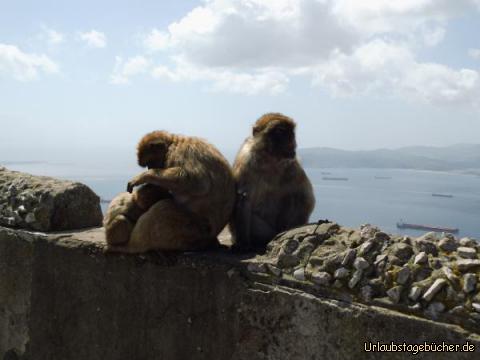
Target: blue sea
column 377, row 196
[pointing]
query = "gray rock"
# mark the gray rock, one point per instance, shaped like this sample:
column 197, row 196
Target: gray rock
column 30, row 218
column 299, row 274
column 415, row 293
column 468, row 264
column 365, row 247
column 368, row 231
column 290, row 246
column 430, row 236
column 287, row 260
column 476, row 307
column 357, row 276
column 403, row 275
column 467, row 242
column 380, row 258
column 47, row 204
column 394, row 294
column 434, row 309
column 341, row 273
column 450, row 275
column 421, row 258
column 366, row 293
column 402, row 251
column 348, row 258
column 467, row 252
column 426, row 246
column 469, row 283
column 448, row 244
column 22, row 210
column 434, row 289
column 321, row 278
column 360, row 263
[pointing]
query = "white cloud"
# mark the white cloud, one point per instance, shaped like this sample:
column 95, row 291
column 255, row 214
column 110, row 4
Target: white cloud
column 52, row 36
column 384, row 16
column 24, row 66
column 94, row 38
column 379, row 67
column 348, row 46
column 434, row 36
column 474, row 53
column 250, row 83
column 124, row 70
column 156, row 40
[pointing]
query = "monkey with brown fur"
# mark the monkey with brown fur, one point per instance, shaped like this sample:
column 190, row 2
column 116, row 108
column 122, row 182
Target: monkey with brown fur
column 201, row 192
column 125, row 209
column 273, row 192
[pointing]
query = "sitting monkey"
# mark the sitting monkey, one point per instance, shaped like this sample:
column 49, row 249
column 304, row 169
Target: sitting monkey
column 273, row 192
column 193, row 197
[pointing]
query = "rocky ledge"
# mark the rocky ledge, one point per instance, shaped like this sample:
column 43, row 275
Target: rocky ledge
column 433, row 276
column 46, row 204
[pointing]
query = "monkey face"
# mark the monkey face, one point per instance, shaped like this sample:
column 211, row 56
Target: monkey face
column 281, row 140
column 153, row 155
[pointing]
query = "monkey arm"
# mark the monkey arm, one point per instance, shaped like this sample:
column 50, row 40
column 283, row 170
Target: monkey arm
column 296, row 207
column 175, row 179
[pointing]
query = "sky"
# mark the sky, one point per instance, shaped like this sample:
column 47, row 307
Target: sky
column 354, row 74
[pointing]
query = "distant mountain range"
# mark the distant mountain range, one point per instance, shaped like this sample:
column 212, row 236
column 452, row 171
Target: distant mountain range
column 455, row 157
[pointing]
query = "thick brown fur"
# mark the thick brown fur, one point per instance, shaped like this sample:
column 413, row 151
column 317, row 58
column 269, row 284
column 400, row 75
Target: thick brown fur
column 201, row 195
column 273, row 192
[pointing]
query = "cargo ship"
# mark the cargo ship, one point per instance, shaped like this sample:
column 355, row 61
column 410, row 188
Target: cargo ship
column 383, row 177
column 403, row 225
column 335, row 178
column 442, row 195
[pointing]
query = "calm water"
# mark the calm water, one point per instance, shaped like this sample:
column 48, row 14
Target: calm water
column 406, row 194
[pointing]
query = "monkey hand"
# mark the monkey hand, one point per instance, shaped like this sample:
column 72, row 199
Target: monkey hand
column 130, row 186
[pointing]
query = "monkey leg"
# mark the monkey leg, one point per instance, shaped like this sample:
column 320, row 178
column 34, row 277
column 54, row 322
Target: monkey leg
column 119, row 230
column 168, row 227
column 120, row 218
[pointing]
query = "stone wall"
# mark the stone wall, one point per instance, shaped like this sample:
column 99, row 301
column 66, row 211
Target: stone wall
column 62, row 298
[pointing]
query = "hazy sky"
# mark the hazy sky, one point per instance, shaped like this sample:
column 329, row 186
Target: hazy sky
column 354, row 74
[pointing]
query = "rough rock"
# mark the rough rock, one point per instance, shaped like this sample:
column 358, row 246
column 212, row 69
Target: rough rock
column 469, row 283
column 468, row 264
column 370, row 266
column 322, row 278
column 394, row 294
column 46, row 204
column 448, row 244
column 360, row 263
column 403, row 275
column 467, row 252
column 357, row 276
column 434, row 289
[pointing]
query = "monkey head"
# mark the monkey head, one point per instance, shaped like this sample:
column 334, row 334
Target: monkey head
column 152, row 149
column 275, row 134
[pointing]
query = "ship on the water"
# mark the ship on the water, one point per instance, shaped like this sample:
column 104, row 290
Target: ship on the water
column 383, row 177
column 442, row 195
column 404, row 225
column 333, row 178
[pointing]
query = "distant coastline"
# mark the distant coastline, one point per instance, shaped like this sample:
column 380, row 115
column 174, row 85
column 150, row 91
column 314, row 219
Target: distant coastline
column 458, row 158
